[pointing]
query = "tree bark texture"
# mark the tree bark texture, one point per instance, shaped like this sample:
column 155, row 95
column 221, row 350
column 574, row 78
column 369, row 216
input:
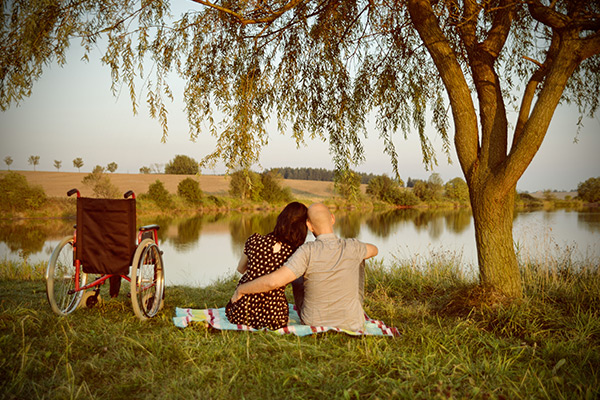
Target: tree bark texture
column 493, row 215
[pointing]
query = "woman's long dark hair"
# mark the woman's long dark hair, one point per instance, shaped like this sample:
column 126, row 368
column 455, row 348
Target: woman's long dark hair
column 291, row 225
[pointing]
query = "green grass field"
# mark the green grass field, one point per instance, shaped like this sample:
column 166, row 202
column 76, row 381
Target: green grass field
column 457, row 342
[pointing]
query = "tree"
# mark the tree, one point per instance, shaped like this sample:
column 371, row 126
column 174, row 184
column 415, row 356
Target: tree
column 436, row 185
column 112, row 167
column 78, row 163
column 589, row 190
column 57, row 164
column 156, row 168
column 411, row 182
column 457, row 189
column 100, row 183
column 33, row 160
column 430, row 190
column 245, row 185
column 144, row 170
column 322, row 67
column 182, row 165
column 8, row 160
column 421, row 190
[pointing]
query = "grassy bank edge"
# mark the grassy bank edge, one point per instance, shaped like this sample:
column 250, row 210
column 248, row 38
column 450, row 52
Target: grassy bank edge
column 457, row 342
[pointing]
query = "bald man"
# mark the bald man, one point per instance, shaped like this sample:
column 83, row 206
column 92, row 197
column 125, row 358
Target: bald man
column 331, row 272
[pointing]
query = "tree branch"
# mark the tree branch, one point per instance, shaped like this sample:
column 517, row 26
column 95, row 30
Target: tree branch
column 590, row 46
column 556, row 20
column 546, row 15
column 270, row 17
column 463, row 110
column 467, row 27
column 500, row 29
column 532, row 85
column 564, row 63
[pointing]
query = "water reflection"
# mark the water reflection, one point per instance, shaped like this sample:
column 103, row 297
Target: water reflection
column 458, row 221
column 589, row 220
column 27, row 237
column 241, row 226
column 206, row 247
column 348, row 224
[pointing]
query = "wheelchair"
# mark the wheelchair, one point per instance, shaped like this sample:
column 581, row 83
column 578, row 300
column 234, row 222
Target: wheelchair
column 105, row 243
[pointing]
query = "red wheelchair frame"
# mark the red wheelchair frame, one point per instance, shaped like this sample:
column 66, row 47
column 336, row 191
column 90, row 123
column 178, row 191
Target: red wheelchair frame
column 108, row 223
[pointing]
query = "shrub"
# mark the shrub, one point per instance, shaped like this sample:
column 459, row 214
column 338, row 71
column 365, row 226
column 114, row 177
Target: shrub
column 527, row 200
column 190, row 190
column 182, row 165
column 159, row 194
column 272, row 191
column 17, row 195
column 404, row 197
column 101, row 184
column 383, row 188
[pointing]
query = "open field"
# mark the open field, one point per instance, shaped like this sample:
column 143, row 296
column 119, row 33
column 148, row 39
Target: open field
column 56, row 184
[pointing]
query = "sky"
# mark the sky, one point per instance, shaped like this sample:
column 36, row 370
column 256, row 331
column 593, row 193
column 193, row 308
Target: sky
column 72, row 113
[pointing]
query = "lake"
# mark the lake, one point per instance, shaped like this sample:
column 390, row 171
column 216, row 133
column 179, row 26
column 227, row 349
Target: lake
column 202, row 249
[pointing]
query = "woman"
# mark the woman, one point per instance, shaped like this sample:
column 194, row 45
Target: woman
column 263, row 255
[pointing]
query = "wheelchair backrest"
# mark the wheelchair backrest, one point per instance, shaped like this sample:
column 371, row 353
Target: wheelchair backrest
column 106, row 234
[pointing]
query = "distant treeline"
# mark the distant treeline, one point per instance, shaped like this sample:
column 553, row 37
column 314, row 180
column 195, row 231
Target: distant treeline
column 316, row 174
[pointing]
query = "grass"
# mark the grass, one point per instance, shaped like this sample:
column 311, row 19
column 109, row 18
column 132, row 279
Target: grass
column 457, row 342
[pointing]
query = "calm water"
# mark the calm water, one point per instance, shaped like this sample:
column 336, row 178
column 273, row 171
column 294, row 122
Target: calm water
column 202, row 249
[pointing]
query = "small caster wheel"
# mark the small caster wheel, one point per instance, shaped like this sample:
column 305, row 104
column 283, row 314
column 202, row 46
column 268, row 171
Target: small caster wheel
column 90, row 299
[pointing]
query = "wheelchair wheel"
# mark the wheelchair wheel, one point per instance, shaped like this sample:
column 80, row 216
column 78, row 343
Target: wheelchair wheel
column 60, row 279
column 147, row 280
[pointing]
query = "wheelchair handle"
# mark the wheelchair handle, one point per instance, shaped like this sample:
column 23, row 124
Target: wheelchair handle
column 128, row 194
column 72, row 192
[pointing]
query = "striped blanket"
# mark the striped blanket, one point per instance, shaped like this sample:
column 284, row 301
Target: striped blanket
column 216, row 318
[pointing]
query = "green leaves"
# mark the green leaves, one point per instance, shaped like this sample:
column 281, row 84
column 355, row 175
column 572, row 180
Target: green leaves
column 319, row 70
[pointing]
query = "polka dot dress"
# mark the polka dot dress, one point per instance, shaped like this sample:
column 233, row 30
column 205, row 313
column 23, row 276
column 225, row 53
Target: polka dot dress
column 262, row 310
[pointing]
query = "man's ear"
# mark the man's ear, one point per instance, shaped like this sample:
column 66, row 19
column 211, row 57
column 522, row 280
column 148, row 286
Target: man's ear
column 332, row 219
column 310, row 226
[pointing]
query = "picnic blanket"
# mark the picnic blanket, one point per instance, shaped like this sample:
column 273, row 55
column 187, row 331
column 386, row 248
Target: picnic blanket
column 216, row 318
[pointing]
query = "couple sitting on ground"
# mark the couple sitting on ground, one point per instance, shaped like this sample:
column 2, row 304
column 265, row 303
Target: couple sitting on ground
column 327, row 275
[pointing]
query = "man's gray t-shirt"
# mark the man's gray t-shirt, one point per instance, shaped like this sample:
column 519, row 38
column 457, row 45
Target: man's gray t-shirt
column 331, row 281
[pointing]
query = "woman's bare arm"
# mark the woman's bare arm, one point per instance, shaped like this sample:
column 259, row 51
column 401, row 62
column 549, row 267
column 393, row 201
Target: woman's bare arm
column 243, row 264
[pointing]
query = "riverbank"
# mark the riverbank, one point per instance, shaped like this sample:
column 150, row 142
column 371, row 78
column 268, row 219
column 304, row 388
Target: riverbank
column 456, row 342
column 216, row 198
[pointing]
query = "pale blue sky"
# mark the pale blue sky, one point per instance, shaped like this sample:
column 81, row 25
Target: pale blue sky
column 72, row 113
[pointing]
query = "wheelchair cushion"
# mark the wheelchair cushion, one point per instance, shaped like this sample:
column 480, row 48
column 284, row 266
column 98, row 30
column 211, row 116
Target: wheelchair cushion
column 106, row 235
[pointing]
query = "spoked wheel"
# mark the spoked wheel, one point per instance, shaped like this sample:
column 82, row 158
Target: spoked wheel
column 61, row 277
column 147, row 280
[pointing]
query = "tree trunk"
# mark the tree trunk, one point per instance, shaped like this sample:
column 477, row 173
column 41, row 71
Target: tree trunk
column 493, row 215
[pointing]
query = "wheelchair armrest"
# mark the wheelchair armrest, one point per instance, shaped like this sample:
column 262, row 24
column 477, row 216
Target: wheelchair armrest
column 149, row 227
